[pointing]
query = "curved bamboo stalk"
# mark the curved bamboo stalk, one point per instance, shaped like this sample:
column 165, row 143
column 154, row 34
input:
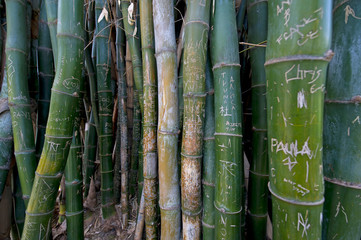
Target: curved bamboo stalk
column 59, row 130
column 208, row 170
column 150, row 163
column 296, row 64
column 46, row 77
column 19, row 100
column 105, row 102
column 52, row 16
column 341, row 134
column 258, row 173
column 168, row 121
column 194, row 97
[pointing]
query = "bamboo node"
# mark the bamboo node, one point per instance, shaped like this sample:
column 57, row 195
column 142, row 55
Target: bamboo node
column 223, row 64
column 208, row 225
column 39, row 214
column 197, row 21
column 58, row 175
column 222, row 210
column 68, row 214
column 191, row 214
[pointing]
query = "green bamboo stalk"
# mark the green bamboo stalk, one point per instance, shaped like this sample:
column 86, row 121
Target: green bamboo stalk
column 59, row 130
column 194, row 97
column 209, row 172
column 19, row 100
column 140, row 166
column 296, row 63
column 150, row 164
column 46, row 77
column 105, row 101
column 258, row 173
column 52, row 15
column 138, row 233
column 73, row 189
column 137, row 143
column 168, row 119
column 341, row 160
column 18, row 203
column 6, row 135
column 228, row 131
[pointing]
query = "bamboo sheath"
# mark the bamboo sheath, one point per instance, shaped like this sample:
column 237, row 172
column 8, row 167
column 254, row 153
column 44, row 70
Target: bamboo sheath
column 296, row 63
column 341, row 161
column 59, row 130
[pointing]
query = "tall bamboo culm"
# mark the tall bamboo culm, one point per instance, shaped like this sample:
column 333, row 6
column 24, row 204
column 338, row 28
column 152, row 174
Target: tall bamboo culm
column 194, row 97
column 52, row 16
column 258, row 173
column 296, row 63
column 59, row 130
column 150, row 163
column 19, row 100
column 228, row 131
column 167, row 140
column 105, row 102
column 341, row 155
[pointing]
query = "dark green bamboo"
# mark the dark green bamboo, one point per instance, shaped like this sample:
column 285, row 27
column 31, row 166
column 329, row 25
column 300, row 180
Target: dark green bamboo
column 341, row 155
column 46, row 77
column 194, row 97
column 297, row 56
column 150, row 163
column 73, row 189
column 19, row 100
column 6, row 135
column 90, row 150
column 258, row 173
column 52, row 16
column 59, row 130
column 228, row 130
column 18, row 203
column 105, row 101
column 208, row 170
column 137, row 143
column 168, row 119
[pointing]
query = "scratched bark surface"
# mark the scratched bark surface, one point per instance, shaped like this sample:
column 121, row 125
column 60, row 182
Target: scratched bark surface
column 150, row 162
column 168, row 119
column 19, row 100
column 342, row 128
column 228, row 129
column 258, row 174
column 297, row 57
column 59, row 131
column 194, row 97
column 105, row 103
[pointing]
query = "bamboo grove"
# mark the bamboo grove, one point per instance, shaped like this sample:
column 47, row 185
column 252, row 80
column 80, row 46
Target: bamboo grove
column 188, row 119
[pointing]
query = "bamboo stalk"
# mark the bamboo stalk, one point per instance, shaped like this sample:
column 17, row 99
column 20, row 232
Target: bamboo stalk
column 59, row 130
column 295, row 114
column 19, row 100
column 194, row 96
column 150, row 164
column 52, row 16
column 105, row 102
column 341, row 130
column 18, row 203
column 138, row 234
column 229, row 190
column 168, row 120
column 258, row 173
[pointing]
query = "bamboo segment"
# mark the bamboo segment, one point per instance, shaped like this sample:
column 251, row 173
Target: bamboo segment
column 137, row 143
column 105, row 101
column 52, row 16
column 258, row 174
column 208, row 171
column 46, row 77
column 18, row 202
column 167, row 140
column 297, row 57
column 73, row 189
column 6, row 135
column 19, row 100
column 59, row 130
column 228, row 130
column 150, row 163
column 341, row 154
column 194, row 96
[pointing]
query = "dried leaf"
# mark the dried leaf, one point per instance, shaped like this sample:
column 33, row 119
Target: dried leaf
column 130, row 14
column 103, row 14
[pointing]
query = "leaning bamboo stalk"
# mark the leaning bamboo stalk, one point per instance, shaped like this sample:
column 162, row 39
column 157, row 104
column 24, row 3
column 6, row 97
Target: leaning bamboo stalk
column 229, row 190
column 341, row 132
column 59, row 130
column 194, row 96
column 296, row 64
column 138, row 233
column 258, row 173
column 105, row 103
column 19, row 100
column 52, row 16
column 168, row 121
column 150, row 163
